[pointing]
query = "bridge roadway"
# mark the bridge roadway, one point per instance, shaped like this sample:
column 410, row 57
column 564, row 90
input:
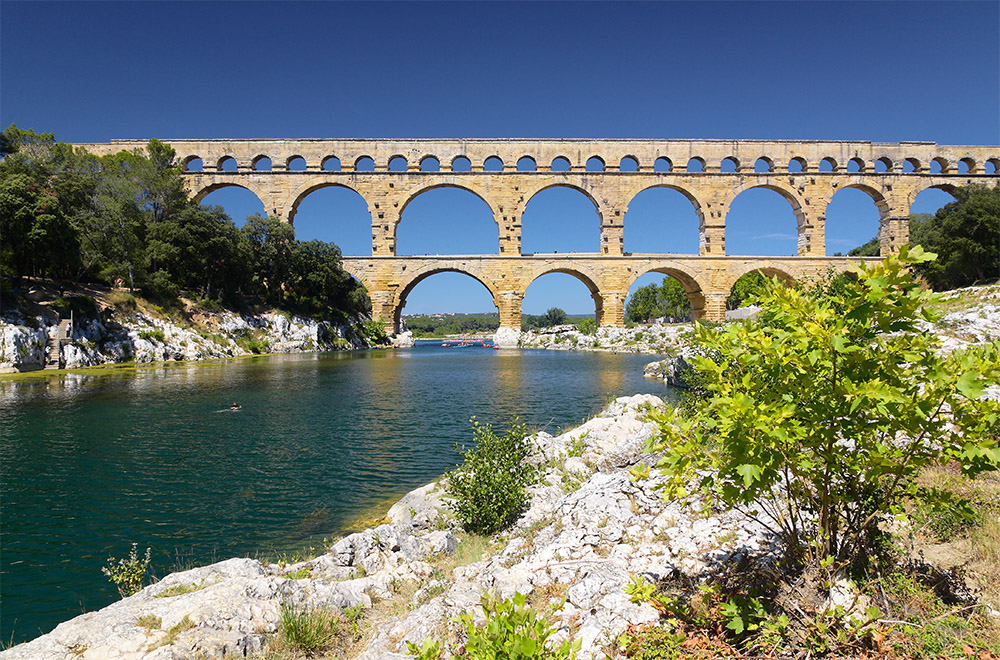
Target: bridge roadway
column 706, row 279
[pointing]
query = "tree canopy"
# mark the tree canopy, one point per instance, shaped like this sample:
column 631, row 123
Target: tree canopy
column 965, row 234
column 68, row 214
column 667, row 299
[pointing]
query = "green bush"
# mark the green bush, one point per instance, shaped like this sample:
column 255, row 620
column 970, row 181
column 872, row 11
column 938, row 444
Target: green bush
column 127, row 574
column 488, row 489
column 822, row 410
column 588, row 326
column 374, row 332
column 153, row 336
column 513, row 631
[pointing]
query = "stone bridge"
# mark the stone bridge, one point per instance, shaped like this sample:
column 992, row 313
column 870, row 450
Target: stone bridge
column 507, row 173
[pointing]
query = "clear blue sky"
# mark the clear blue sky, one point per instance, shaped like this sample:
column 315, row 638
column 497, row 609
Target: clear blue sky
column 881, row 71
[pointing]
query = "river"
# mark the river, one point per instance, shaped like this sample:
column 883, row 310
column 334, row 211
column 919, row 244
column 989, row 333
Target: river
column 324, row 443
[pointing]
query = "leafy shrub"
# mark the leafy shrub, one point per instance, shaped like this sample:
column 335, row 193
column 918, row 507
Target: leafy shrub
column 127, row 574
column 79, row 306
column 512, row 631
column 153, row 336
column 374, row 332
column 588, row 326
column 823, row 409
column 488, row 489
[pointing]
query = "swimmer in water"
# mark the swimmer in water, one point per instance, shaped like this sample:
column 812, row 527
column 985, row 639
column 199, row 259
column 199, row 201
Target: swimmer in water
column 235, row 406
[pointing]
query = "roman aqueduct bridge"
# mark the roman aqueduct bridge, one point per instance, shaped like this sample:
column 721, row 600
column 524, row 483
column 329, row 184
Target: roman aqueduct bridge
column 506, row 174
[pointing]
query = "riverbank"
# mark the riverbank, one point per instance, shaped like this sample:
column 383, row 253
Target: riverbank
column 591, row 532
column 653, row 339
column 588, row 528
column 114, row 327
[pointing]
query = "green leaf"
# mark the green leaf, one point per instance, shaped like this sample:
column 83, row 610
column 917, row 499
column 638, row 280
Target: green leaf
column 969, row 385
column 749, row 472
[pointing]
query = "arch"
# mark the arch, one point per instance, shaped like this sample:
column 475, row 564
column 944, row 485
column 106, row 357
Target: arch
column 430, row 164
column 696, row 164
column 398, row 163
column 763, row 165
column 559, row 223
column 331, row 164
column 939, row 165
column 227, row 164
column 797, row 164
column 663, row 164
column 967, row 166
column 992, row 166
column 828, row 164
column 447, row 185
column 930, row 197
column 637, row 214
column 912, row 165
column 447, row 219
column 295, row 164
column 765, row 218
column 688, row 281
column 560, row 164
column 526, row 164
column 333, row 213
column 883, row 165
column 628, row 164
column 262, row 163
column 461, row 164
column 853, row 216
column 236, row 201
column 769, row 271
column 556, row 287
column 193, row 164
column 855, row 165
column 595, row 164
column 419, row 275
column 729, row 164
column 364, row 164
column 493, row 164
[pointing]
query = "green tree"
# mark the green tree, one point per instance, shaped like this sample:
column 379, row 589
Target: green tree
column 271, row 245
column 746, row 290
column 966, row 236
column 554, row 316
column 822, row 411
column 643, row 304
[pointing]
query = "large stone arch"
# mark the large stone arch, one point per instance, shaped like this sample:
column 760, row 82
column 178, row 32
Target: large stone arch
column 629, row 196
column 798, row 204
column 605, row 301
column 533, row 192
column 923, row 185
column 448, row 184
column 768, row 270
column 306, row 190
column 689, row 281
column 419, row 275
column 203, row 192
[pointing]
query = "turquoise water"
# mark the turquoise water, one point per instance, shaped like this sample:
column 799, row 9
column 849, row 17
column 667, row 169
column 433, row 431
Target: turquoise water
column 323, row 442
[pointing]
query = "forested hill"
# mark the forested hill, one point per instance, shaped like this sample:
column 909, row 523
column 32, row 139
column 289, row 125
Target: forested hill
column 127, row 219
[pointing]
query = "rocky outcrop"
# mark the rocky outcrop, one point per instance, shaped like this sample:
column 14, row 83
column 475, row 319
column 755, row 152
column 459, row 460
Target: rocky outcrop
column 144, row 338
column 589, row 530
column 655, row 338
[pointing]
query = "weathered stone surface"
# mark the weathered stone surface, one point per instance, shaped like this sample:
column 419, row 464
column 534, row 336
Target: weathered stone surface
column 608, row 272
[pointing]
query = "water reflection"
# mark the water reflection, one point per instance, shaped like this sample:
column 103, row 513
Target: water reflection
column 93, row 461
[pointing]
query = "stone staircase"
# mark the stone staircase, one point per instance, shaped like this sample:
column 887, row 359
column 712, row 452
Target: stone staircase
column 53, row 351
